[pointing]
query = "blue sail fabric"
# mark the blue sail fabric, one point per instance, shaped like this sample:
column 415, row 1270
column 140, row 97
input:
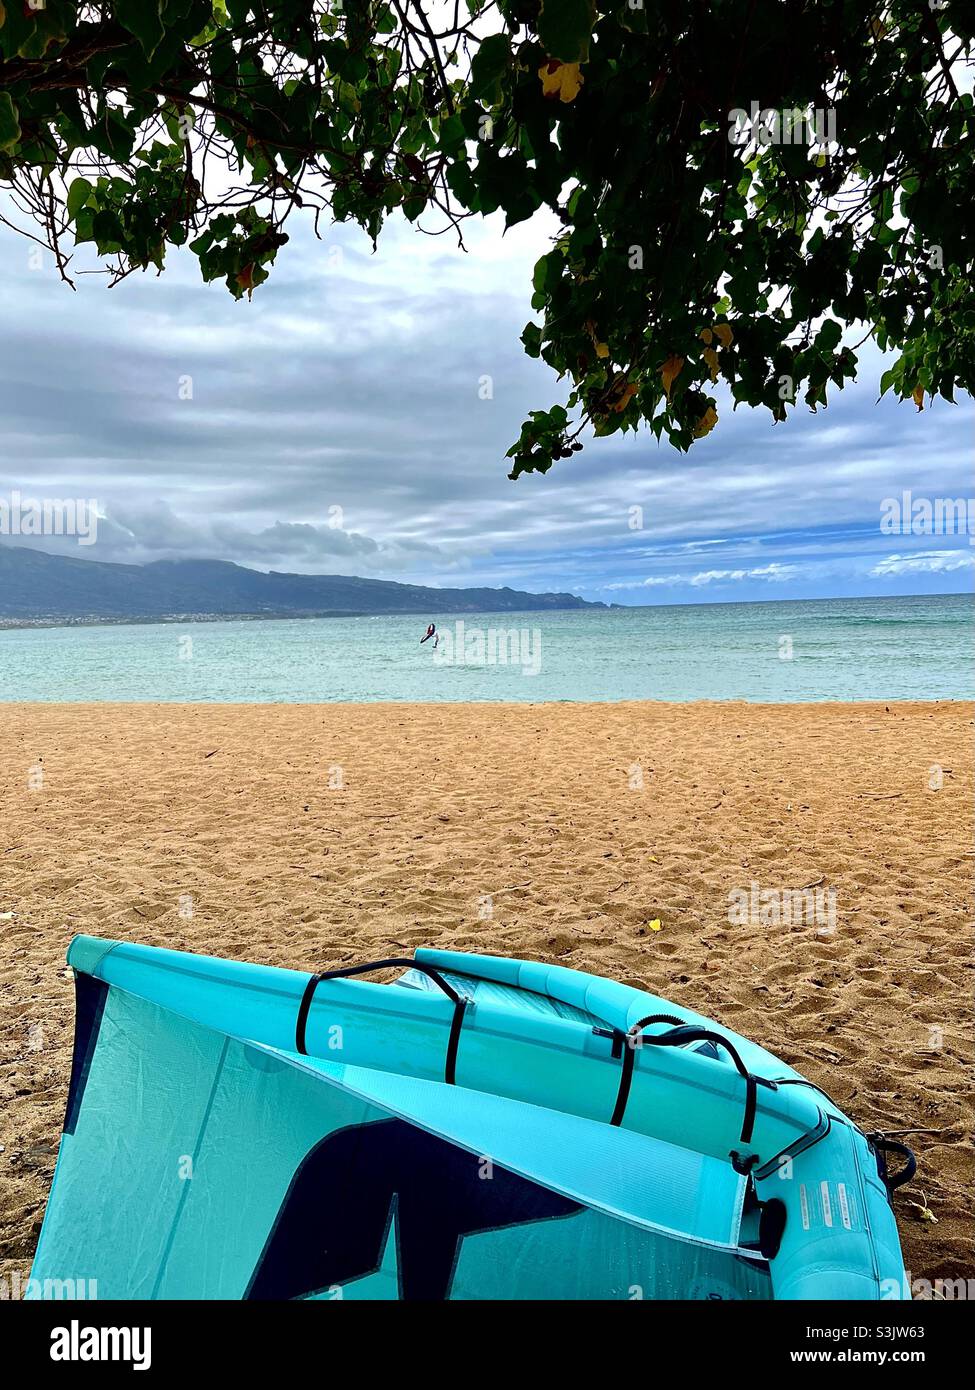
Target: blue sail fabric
column 204, row 1157
column 202, row 1166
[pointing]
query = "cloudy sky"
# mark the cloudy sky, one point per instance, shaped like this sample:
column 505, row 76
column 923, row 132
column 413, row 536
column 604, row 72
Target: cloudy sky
column 337, row 425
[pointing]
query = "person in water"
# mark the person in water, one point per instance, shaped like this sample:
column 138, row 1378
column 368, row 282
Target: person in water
column 431, row 630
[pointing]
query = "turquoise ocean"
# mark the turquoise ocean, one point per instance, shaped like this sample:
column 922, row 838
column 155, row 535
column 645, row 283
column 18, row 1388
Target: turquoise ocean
column 830, row 649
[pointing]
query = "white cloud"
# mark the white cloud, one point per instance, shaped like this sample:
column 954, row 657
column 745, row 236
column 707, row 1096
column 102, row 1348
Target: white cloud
column 771, row 573
column 925, row 562
column 774, row 573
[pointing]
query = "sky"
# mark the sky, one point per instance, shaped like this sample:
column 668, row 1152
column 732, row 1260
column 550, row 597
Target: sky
column 343, row 423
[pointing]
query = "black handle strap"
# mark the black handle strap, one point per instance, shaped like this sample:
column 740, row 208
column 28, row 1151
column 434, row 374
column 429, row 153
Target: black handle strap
column 459, row 1002
column 625, row 1044
column 882, row 1145
column 680, row 1036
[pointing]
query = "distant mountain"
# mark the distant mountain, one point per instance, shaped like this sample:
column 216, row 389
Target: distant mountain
column 39, row 588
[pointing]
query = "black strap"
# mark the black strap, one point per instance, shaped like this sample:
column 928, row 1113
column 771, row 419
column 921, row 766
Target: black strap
column 680, row 1036
column 629, row 1060
column 459, row 1002
column 881, row 1145
column 801, row 1081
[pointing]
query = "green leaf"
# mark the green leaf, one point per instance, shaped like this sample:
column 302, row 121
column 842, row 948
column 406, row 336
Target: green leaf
column 83, row 225
column 565, row 28
column 488, row 68
column 142, row 18
column 532, row 339
column 78, row 195
column 452, row 135
column 829, row 336
column 9, row 122
column 461, row 183
column 107, row 231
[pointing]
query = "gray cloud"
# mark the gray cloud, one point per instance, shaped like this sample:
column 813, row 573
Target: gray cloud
column 352, row 383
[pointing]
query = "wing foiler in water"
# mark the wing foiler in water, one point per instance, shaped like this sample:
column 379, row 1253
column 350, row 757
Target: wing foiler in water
column 482, row 1128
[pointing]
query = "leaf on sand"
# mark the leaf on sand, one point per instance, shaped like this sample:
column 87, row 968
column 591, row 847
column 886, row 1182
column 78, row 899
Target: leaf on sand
column 924, row 1212
column 655, row 925
column 561, row 80
column 670, row 371
column 706, row 423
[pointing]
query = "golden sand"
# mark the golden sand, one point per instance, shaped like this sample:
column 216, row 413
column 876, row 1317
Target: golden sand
column 312, row 835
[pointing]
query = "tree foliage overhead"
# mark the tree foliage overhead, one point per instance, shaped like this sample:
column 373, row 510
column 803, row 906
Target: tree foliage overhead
column 696, row 244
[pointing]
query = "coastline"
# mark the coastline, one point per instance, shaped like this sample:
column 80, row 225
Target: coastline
column 67, row 620
column 163, row 619
column 309, row 835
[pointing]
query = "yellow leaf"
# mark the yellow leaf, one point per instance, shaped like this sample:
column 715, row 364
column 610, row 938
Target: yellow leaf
column 653, row 859
column 670, row 371
column 924, row 1212
column 918, row 397
column 724, row 334
column 246, row 280
column 628, row 390
column 705, row 335
column 562, row 80
column 655, row 925
column 600, row 347
column 711, row 358
column 706, row 423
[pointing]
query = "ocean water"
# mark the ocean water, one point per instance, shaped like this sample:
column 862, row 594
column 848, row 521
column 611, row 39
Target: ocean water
column 831, row 649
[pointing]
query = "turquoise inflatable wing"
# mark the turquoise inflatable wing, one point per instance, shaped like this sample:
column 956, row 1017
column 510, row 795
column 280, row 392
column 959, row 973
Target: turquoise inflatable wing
column 240, row 1132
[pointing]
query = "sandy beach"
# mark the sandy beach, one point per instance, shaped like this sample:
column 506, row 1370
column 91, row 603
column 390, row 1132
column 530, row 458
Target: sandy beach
column 312, row 835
